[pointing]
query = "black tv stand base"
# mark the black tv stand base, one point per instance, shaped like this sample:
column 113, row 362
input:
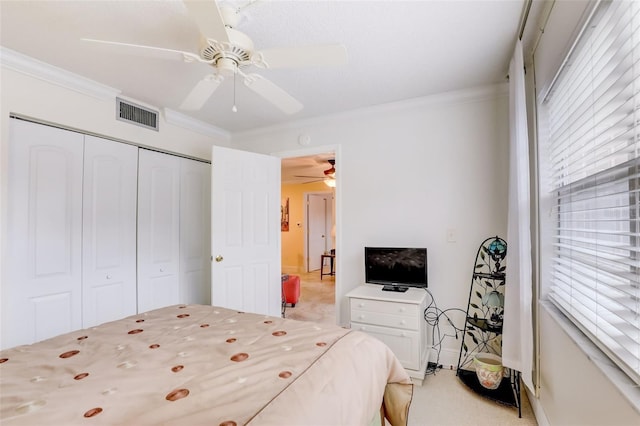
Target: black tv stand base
column 395, row 288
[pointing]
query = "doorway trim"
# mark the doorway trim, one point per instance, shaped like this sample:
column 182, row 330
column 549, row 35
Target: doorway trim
column 305, row 152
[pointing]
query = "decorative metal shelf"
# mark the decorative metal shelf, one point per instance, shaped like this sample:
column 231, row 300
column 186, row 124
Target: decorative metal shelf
column 490, row 276
column 483, row 324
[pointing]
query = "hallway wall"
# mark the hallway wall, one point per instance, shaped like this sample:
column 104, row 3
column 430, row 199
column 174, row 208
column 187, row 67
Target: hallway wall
column 293, row 240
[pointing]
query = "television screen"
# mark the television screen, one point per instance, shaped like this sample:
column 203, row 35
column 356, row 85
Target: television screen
column 396, row 266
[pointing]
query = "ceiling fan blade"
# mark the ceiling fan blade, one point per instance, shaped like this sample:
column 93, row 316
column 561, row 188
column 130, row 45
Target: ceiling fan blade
column 208, row 18
column 148, row 51
column 201, row 92
column 304, row 56
column 272, row 93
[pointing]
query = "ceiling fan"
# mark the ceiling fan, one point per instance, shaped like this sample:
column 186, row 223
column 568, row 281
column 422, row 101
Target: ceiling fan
column 230, row 52
column 329, row 177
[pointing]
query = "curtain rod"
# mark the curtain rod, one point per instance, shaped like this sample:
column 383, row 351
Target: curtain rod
column 524, row 18
column 542, row 27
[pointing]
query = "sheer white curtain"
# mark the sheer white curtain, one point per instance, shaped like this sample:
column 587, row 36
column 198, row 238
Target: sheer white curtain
column 517, row 338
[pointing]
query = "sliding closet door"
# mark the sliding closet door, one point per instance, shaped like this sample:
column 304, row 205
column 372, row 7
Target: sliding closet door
column 158, row 230
column 42, row 295
column 109, row 231
column 195, row 232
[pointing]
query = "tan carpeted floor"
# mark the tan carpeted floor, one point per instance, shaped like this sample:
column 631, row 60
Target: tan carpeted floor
column 442, row 399
column 317, row 298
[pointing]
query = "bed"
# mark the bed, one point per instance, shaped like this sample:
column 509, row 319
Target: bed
column 196, row 364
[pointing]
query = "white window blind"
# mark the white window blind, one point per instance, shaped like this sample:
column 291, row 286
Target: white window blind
column 593, row 157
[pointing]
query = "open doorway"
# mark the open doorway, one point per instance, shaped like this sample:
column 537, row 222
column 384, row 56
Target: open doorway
column 311, row 233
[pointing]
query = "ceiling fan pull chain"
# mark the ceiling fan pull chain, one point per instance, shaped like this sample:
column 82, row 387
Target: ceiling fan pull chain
column 233, row 108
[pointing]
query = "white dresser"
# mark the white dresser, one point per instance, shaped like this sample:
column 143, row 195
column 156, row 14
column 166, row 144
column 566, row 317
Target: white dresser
column 397, row 319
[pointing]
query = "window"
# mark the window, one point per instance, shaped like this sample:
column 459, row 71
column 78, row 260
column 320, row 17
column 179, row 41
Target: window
column 591, row 149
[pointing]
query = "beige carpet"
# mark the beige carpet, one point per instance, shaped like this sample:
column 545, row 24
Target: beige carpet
column 442, row 399
column 317, row 299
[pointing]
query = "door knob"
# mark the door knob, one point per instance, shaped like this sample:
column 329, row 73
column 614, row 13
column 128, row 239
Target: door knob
column 219, row 258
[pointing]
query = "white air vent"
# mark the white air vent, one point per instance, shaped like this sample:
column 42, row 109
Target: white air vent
column 132, row 113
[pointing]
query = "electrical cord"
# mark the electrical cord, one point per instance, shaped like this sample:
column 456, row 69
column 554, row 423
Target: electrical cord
column 433, row 315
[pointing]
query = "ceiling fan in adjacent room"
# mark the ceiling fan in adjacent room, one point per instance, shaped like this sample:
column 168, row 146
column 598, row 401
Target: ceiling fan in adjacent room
column 329, row 177
column 231, row 52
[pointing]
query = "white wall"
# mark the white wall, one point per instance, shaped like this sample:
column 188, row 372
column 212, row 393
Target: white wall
column 406, row 174
column 67, row 104
column 572, row 390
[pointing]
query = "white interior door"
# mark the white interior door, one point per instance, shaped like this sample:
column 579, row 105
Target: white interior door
column 317, row 232
column 158, row 230
column 108, row 231
column 245, row 226
column 195, row 232
column 42, row 294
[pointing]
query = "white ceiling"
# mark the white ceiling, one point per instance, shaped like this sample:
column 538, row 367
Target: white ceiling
column 397, row 50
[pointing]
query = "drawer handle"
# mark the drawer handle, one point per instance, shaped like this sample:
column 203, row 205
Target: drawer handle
column 362, row 328
column 402, row 309
column 403, row 335
column 361, row 317
column 403, row 322
column 361, row 305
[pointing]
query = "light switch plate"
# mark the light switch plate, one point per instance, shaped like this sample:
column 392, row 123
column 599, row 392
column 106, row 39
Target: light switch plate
column 451, row 235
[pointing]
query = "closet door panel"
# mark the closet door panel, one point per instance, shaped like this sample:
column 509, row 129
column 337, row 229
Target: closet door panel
column 109, row 230
column 43, row 295
column 158, row 230
column 195, row 232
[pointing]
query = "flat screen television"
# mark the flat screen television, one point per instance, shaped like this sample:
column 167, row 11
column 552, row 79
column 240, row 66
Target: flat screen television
column 397, row 268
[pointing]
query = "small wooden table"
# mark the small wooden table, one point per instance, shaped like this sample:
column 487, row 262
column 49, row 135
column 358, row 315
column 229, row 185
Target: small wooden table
column 331, row 258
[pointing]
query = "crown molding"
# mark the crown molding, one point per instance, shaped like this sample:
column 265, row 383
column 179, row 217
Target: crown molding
column 447, row 98
column 178, row 119
column 27, row 65
column 41, row 70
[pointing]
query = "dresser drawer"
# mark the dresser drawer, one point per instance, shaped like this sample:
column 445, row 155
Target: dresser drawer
column 404, row 321
column 385, row 307
column 390, row 314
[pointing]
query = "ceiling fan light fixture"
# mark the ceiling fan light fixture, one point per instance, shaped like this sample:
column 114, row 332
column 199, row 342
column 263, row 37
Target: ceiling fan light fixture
column 226, row 66
column 237, row 50
column 331, row 172
column 330, row 180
